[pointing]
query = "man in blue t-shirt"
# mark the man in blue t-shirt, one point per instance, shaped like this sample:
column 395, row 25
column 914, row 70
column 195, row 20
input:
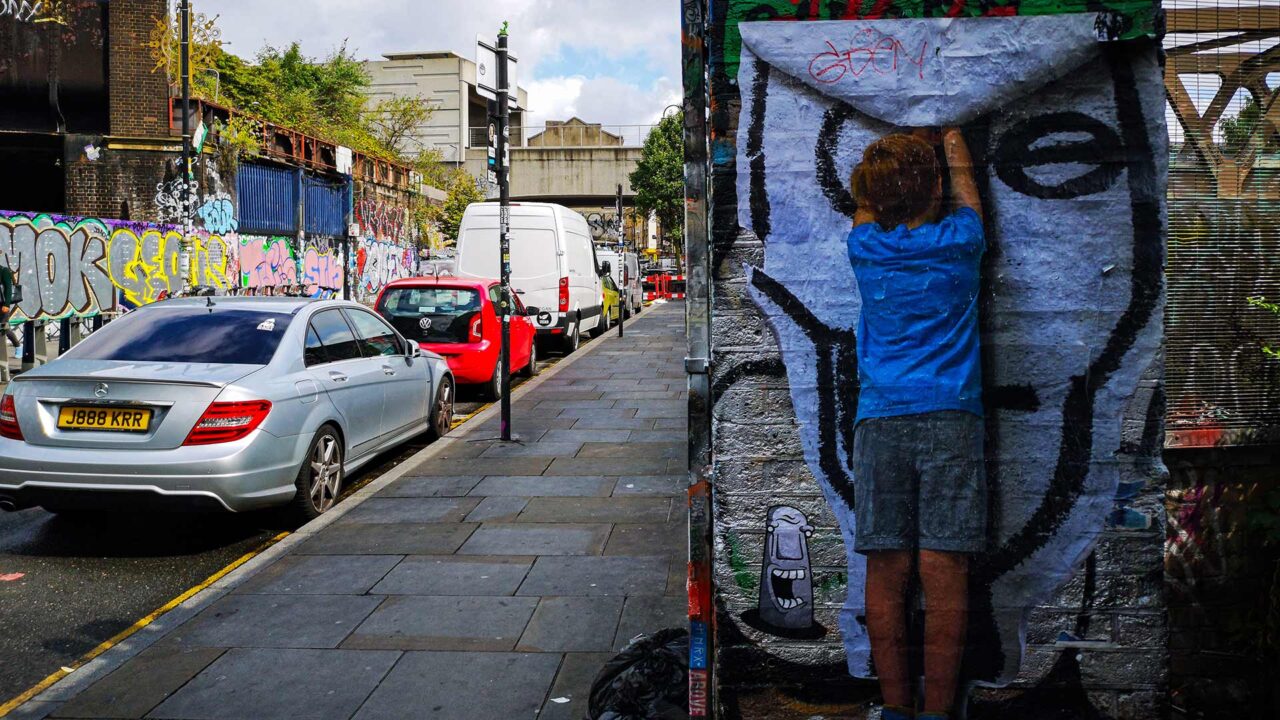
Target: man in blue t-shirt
column 919, row 433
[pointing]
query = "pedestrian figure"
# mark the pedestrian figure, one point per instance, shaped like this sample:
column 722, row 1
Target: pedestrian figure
column 8, row 304
column 919, row 430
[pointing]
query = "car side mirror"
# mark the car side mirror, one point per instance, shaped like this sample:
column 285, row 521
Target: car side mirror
column 606, row 268
column 532, row 311
column 415, row 350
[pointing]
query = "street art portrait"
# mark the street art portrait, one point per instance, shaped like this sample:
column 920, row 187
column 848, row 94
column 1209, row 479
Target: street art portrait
column 1063, row 119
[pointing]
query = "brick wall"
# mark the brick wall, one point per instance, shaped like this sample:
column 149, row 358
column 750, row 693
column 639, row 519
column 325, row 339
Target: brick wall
column 138, row 95
column 119, row 184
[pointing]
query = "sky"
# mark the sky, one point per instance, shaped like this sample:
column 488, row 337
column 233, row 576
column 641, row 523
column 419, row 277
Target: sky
column 615, row 62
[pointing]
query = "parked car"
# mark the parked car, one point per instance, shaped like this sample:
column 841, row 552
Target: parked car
column 612, row 305
column 633, row 301
column 553, row 264
column 459, row 319
column 217, row 403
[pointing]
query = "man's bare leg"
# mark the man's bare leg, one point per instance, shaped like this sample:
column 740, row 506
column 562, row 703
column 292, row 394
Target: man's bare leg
column 945, row 577
column 887, row 572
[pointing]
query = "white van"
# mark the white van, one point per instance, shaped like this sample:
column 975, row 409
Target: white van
column 633, row 296
column 553, row 264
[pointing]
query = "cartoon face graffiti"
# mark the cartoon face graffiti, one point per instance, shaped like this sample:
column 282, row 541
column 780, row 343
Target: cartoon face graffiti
column 1069, row 149
column 786, row 586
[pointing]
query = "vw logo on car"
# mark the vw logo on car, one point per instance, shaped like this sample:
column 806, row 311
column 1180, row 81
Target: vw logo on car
column 425, row 323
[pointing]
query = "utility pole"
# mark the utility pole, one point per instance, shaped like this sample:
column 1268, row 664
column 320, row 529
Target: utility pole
column 184, row 262
column 625, row 290
column 504, row 225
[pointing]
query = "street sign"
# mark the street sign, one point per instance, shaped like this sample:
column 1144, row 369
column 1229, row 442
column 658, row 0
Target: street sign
column 487, row 71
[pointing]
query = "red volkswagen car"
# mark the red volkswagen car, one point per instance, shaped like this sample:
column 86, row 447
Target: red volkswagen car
column 458, row 319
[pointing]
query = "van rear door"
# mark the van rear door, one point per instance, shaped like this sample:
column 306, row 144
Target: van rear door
column 535, row 252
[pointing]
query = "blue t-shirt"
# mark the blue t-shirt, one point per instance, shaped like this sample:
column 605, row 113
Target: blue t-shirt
column 918, row 335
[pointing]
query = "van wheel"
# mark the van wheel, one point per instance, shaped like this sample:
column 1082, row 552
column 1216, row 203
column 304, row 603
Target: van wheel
column 571, row 339
column 602, row 327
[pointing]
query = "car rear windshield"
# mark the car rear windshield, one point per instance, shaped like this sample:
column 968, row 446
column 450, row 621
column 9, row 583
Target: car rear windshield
column 431, row 315
column 188, row 335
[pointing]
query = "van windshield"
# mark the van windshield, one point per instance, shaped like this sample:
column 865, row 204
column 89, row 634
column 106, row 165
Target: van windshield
column 533, row 253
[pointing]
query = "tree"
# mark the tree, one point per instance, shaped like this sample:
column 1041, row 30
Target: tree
column 1238, row 130
column 394, row 120
column 659, row 176
column 461, row 191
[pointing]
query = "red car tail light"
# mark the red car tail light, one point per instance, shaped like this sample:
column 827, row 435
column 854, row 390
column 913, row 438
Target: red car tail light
column 228, row 422
column 9, row 419
column 564, row 294
column 475, row 333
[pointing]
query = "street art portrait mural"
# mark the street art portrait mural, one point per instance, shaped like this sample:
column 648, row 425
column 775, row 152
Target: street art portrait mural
column 961, row 227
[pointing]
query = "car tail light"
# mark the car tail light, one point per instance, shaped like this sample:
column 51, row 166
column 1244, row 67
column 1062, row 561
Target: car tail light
column 475, row 333
column 564, row 294
column 228, row 422
column 9, row 419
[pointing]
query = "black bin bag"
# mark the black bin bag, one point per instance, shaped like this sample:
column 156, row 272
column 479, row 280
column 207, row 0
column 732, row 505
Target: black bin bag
column 648, row 680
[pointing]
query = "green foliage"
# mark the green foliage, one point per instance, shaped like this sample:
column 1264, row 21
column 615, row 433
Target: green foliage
column 659, row 176
column 236, row 138
column 1237, row 131
column 461, row 191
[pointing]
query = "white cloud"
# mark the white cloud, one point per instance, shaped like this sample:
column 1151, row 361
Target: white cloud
column 647, row 32
column 627, row 108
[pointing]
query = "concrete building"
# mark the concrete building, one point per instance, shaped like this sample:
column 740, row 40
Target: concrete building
column 448, row 82
column 574, row 132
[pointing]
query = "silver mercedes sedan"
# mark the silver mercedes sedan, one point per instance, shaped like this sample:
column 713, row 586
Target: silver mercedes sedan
column 217, row 403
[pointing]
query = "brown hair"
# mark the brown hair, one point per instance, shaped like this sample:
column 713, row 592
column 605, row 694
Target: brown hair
column 897, row 180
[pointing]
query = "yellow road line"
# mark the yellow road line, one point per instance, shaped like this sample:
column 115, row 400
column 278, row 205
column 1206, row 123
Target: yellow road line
column 120, row 637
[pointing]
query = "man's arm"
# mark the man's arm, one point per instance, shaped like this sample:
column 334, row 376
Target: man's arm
column 964, row 189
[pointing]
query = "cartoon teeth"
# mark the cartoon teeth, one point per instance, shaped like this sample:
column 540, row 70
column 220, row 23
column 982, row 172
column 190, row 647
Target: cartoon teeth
column 786, row 598
column 789, row 574
column 790, row 603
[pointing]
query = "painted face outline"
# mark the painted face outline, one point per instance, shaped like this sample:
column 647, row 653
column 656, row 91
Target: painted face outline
column 832, row 347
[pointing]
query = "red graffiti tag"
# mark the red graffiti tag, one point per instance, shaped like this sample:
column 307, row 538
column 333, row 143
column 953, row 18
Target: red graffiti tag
column 870, row 49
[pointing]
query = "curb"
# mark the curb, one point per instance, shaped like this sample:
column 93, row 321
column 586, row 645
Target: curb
column 111, row 660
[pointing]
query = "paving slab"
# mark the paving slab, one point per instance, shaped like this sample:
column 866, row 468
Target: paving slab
column 609, row 466
column 572, row 624
column 454, row 575
column 285, row 684
column 649, row 614
column 532, row 449
column 618, row 413
column 277, row 621
column 456, row 486
column 596, row 510
column 573, row 684
column 661, row 485
column 487, row 466
column 463, row 686
column 596, row 575
column 387, row 539
column 411, row 510
column 140, row 684
column 415, row 622
column 612, row 423
column 654, row 538
column 605, row 436
column 320, row 575
column 498, row 509
column 545, row 486
column 537, row 539
column 634, row 449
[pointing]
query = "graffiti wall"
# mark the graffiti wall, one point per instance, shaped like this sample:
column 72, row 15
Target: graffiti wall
column 385, row 250
column 271, row 263
column 937, row 254
column 71, row 266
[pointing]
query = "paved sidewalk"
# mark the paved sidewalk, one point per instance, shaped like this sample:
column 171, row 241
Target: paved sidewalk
column 491, row 581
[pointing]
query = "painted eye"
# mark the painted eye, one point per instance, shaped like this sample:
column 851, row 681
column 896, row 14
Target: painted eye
column 1066, row 138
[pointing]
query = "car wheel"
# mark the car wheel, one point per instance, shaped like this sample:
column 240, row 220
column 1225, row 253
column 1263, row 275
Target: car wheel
column 602, row 326
column 320, row 477
column 492, row 389
column 442, row 410
column 571, row 340
column 532, row 368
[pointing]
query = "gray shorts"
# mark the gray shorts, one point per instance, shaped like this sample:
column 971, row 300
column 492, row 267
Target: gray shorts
column 919, row 482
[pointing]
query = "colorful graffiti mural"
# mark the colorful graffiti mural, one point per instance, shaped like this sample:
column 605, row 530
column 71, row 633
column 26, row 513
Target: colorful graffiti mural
column 1065, row 128
column 82, row 266
column 274, row 263
column 377, row 263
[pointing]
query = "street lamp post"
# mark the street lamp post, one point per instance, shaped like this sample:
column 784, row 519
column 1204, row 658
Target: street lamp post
column 184, row 262
column 504, row 226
